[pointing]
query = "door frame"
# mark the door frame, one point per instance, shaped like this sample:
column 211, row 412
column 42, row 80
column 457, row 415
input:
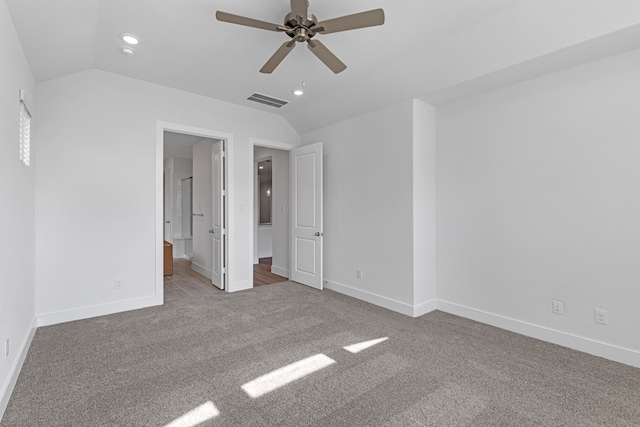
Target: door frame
column 258, row 142
column 161, row 127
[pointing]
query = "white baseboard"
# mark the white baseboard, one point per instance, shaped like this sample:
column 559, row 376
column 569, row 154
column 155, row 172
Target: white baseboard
column 14, row 371
column 586, row 345
column 63, row 316
column 424, row 308
column 200, row 269
column 388, row 303
column 280, row 271
column 188, row 257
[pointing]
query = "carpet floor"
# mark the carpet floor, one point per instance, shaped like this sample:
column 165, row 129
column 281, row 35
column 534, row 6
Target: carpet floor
column 288, row 355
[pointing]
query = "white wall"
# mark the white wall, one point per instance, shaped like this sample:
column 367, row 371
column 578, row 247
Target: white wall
column 424, row 207
column 96, row 187
column 538, row 200
column 179, row 169
column 17, row 214
column 368, row 210
column 280, row 211
column 182, row 169
column 265, row 241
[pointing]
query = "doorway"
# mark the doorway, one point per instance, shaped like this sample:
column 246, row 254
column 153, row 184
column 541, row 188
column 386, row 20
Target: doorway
column 197, row 193
column 303, row 211
column 271, row 216
column 193, row 213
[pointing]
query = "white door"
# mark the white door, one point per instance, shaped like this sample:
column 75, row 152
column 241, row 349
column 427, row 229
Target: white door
column 218, row 198
column 202, row 261
column 306, row 215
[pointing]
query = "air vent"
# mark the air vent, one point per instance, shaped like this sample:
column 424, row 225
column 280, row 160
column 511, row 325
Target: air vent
column 267, row 100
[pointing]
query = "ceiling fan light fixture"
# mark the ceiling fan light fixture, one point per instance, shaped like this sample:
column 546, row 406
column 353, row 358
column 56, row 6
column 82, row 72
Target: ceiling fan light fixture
column 126, row 50
column 130, row 38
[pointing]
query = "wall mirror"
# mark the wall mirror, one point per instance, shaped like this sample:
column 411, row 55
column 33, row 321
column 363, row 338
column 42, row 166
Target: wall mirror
column 264, row 181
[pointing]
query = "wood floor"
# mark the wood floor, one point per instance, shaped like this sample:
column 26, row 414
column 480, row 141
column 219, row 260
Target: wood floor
column 262, row 274
column 187, row 283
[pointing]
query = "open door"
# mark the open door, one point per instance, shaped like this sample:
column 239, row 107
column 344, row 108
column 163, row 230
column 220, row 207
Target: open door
column 167, row 205
column 306, row 215
column 218, row 230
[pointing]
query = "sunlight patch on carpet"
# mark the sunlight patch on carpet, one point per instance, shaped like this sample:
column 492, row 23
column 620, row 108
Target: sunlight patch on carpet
column 288, row 374
column 357, row 348
column 202, row 413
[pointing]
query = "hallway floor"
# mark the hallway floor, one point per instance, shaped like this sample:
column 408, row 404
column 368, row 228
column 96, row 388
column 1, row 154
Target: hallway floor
column 186, row 283
column 262, row 274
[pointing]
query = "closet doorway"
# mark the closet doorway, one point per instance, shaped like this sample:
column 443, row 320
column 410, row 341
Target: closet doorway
column 271, row 216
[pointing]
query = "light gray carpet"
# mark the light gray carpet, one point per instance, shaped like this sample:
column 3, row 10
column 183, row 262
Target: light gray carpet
column 150, row 367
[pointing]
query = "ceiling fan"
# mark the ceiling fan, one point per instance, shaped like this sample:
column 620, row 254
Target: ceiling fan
column 302, row 26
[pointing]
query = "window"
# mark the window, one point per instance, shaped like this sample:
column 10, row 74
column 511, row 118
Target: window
column 25, row 133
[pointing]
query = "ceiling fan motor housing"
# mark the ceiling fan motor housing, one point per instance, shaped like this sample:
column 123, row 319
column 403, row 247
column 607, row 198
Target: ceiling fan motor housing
column 300, row 31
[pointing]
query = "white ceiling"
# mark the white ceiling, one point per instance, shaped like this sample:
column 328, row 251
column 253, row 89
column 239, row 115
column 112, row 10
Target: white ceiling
column 437, row 50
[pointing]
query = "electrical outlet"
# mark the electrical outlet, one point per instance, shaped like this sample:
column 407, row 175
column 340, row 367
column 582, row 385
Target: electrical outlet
column 600, row 316
column 117, row 283
column 6, row 348
column 359, row 274
column 557, row 307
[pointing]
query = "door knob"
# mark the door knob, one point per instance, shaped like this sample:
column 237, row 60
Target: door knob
column 318, row 234
column 211, row 231
column 168, row 222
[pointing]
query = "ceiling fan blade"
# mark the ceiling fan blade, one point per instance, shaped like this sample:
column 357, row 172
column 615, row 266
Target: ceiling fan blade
column 300, row 8
column 278, row 57
column 247, row 22
column 326, row 56
column 352, row 22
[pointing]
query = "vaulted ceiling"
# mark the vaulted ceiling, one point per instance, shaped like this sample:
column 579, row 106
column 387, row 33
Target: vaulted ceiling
column 436, row 50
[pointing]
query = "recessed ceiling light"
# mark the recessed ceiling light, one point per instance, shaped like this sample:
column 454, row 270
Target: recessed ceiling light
column 260, row 167
column 127, row 50
column 129, row 38
column 298, row 92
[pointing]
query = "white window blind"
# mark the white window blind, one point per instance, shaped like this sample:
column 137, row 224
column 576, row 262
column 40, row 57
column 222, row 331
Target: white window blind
column 25, row 134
